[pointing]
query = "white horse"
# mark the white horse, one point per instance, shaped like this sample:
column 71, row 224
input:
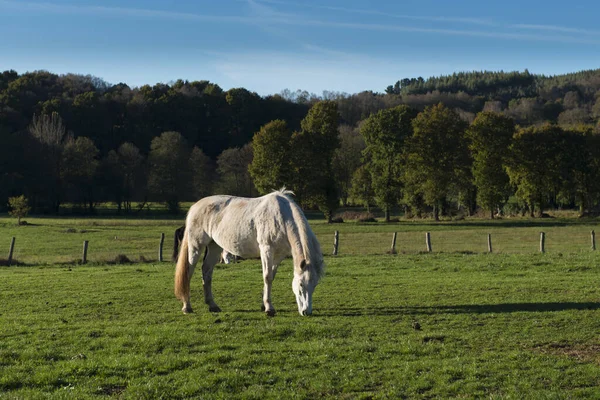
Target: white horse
column 271, row 227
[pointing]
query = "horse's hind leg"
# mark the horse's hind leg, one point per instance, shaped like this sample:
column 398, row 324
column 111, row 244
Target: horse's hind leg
column 194, row 253
column 212, row 257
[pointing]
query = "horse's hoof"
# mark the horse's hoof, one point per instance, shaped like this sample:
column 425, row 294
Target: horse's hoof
column 214, row 308
column 187, row 310
column 262, row 307
column 270, row 313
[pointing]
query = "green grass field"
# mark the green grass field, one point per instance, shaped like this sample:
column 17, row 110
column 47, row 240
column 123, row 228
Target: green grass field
column 453, row 323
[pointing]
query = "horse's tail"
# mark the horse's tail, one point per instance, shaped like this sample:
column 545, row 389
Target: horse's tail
column 182, row 271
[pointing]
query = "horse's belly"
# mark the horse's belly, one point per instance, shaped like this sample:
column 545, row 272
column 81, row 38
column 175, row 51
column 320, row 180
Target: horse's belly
column 240, row 246
column 245, row 250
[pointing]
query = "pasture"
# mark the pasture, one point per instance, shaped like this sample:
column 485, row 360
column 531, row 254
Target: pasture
column 453, row 323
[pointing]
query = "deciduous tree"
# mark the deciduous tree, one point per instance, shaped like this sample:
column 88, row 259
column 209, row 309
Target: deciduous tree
column 438, row 160
column 78, row 170
column 271, row 166
column 234, row 178
column 385, row 134
column 202, row 173
column 490, row 136
column 19, row 207
column 168, row 177
column 347, row 159
column 535, row 165
column 313, row 149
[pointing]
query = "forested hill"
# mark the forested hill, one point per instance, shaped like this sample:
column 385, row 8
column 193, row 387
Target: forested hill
column 214, row 120
column 78, row 139
column 529, row 98
column 206, row 115
column 500, row 85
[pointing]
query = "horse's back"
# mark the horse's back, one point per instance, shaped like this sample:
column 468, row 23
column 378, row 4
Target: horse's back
column 226, row 220
column 241, row 225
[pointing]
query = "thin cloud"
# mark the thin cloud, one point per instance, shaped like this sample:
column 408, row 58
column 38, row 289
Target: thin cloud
column 463, row 32
column 275, row 18
column 264, row 11
column 555, row 28
column 456, row 32
column 475, row 21
column 119, row 11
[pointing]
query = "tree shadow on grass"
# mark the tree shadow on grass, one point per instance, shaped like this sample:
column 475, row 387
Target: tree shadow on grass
column 463, row 309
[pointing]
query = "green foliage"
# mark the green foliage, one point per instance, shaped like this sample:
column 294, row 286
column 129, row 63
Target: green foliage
column 538, row 164
column 55, row 108
column 271, row 166
column 232, row 166
column 124, row 175
column 347, row 159
column 19, row 207
column 362, row 187
column 438, row 161
column 585, row 156
column 245, row 106
column 168, row 170
column 490, row 135
column 202, row 174
column 313, row 150
column 79, row 165
column 385, row 134
column 485, row 83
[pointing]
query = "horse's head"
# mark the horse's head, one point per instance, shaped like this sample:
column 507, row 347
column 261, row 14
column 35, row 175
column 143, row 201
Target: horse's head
column 303, row 285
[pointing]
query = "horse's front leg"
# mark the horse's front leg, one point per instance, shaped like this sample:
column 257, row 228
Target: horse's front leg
column 269, row 266
column 212, row 257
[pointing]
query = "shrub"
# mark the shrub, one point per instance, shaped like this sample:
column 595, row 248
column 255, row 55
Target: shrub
column 19, row 207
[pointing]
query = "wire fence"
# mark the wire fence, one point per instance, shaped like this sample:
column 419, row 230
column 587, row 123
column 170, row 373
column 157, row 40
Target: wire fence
column 120, row 244
column 516, row 240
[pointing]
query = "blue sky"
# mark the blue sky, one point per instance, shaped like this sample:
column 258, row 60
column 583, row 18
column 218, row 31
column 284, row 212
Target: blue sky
column 270, row 45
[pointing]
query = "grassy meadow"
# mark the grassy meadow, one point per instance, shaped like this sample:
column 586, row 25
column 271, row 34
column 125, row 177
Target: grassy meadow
column 457, row 322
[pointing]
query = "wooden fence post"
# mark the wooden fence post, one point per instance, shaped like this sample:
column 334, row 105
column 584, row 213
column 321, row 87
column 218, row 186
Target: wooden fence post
column 489, row 242
column 336, row 241
column 393, row 250
column 428, row 241
column 593, row 240
column 11, row 250
column 85, row 249
column 160, row 248
column 542, row 242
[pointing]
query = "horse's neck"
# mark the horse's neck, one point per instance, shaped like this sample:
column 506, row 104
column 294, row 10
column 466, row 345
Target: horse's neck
column 297, row 237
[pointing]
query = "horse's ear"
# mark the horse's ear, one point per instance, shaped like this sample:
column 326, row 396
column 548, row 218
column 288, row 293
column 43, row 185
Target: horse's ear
column 303, row 265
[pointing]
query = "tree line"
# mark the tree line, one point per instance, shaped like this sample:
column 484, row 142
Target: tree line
column 434, row 162
column 430, row 146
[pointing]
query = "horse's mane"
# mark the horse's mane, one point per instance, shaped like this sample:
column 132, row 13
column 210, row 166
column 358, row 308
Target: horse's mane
column 310, row 245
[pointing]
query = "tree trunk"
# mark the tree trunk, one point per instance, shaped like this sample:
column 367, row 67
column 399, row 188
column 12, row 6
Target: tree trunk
column 387, row 214
column 492, row 213
column 531, row 210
